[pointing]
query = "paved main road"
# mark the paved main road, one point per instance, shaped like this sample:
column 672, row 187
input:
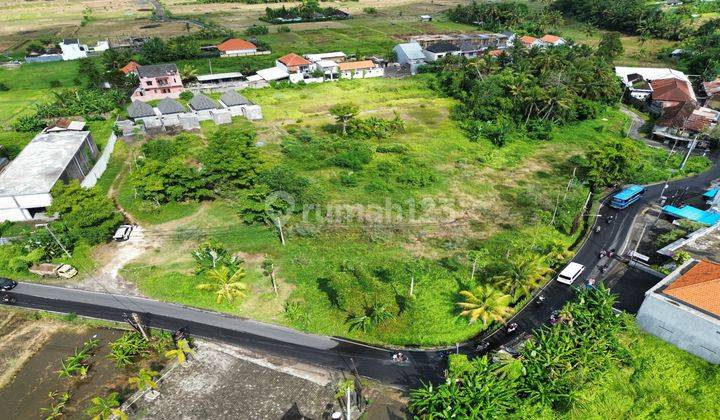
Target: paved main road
column 337, row 353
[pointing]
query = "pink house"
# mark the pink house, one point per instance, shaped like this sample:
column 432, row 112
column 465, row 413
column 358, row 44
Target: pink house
column 158, row 81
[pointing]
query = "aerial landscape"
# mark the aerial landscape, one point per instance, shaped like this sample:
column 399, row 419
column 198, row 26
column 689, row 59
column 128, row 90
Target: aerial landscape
column 270, row 209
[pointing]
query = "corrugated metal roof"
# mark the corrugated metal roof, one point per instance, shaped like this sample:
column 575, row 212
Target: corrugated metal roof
column 412, row 50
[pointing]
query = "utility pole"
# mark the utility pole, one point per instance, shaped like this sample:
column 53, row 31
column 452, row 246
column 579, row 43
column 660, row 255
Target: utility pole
column 690, row 149
column 279, row 226
column 347, row 394
column 46, row 226
column 138, row 321
column 210, row 64
column 412, row 284
column 637, row 245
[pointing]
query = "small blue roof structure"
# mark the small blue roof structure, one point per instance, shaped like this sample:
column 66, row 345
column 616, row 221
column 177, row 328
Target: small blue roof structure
column 628, row 192
column 711, row 193
column 705, row 217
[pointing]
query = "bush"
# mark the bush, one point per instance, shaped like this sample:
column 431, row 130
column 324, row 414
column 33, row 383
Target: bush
column 3, row 87
column 257, row 30
column 370, row 11
column 186, row 95
column 55, row 83
column 283, row 29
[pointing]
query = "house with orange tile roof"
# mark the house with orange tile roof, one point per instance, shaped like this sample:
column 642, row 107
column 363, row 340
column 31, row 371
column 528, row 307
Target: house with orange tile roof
column 293, row 63
column 130, row 68
column 360, row 69
column 552, row 40
column 530, row 41
column 236, row 47
column 684, row 309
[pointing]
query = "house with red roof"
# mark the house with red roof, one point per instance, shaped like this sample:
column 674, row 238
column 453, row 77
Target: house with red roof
column 236, row 47
column 684, row 309
column 552, row 40
column 130, row 68
column 293, row 63
column 671, row 92
column 530, row 41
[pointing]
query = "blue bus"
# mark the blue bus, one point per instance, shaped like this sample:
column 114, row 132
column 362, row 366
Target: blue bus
column 627, row 196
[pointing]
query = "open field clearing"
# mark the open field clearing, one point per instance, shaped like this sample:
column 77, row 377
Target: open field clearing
column 482, row 196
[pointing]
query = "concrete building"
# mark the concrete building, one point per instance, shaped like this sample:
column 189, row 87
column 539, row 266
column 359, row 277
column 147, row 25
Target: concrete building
column 684, row 309
column 239, row 105
column 49, row 158
column 438, row 50
column 201, row 105
column 293, row 63
column 158, row 81
column 236, row 47
column 360, row 69
column 336, row 56
column 410, row 54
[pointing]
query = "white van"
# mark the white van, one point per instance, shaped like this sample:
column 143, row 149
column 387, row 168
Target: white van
column 570, row 273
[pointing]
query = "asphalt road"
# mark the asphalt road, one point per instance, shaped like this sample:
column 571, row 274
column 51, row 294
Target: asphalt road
column 337, row 353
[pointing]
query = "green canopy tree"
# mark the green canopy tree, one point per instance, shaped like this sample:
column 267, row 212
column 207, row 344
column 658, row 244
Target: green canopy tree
column 611, row 162
column 344, row 113
column 486, row 304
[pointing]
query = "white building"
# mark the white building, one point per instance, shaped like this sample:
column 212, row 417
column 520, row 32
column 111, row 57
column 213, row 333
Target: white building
column 49, row 158
column 240, row 105
column 684, row 309
column 72, row 49
column 410, row 54
column 336, row 56
column 360, row 69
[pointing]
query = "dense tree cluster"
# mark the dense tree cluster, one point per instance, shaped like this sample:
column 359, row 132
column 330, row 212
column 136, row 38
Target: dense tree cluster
column 552, row 366
column 534, row 90
column 306, row 10
column 629, row 16
column 502, row 16
column 702, row 50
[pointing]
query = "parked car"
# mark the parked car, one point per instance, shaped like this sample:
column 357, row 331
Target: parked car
column 7, row 284
column 123, row 233
column 7, row 299
column 54, row 270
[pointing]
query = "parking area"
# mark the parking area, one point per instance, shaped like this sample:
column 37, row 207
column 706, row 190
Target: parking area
column 630, row 285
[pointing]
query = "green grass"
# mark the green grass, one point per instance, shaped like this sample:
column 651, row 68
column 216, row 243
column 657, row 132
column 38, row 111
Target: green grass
column 663, row 382
column 498, row 196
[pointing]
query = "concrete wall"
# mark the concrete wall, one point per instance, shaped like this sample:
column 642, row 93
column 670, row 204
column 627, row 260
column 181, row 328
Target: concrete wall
column 682, row 326
column 100, row 166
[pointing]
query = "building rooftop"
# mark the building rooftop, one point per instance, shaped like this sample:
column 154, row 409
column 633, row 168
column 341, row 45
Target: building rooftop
column 442, row 47
column 528, row 40
column 157, row 70
column 356, row 65
column 139, row 109
column 219, row 76
column 39, row 165
column 412, row 50
column 130, row 67
column 201, row 102
column 292, row 59
column 273, row 73
column 649, row 73
column 698, row 286
column 550, row 38
column 325, row 56
column 676, row 116
column 235, row 44
column 672, row 89
column 232, row 98
column 168, row 106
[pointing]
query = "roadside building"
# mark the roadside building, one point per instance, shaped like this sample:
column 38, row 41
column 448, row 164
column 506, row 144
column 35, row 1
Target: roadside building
column 235, row 47
column 240, row 105
column 684, row 309
column 360, row 69
column 49, row 158
column 671, row 92
column 410, row 54
column 158, row 81
column 685, row 122
column 293, row 63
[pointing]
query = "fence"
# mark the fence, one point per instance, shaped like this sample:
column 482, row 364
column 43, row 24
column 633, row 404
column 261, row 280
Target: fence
column 92, row 177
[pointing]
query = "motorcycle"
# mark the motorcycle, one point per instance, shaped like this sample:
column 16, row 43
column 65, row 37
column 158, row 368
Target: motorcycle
column 7, row 299
column 512, row 327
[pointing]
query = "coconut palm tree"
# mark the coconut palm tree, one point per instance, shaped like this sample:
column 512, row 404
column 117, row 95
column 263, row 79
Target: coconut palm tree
column 521, row 275
column 180, row 352
column 144, row 380
column 486, row 304
column 226, row 283
column 105, row 408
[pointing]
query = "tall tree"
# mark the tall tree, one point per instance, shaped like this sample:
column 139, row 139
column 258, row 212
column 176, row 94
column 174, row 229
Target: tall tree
column 343, row 113
column 486, row 304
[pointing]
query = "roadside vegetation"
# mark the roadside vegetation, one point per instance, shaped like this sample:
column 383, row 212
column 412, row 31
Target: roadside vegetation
column 593, row 363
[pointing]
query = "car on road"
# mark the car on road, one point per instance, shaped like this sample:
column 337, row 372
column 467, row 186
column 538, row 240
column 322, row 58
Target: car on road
column 123, row 233
column 7, row 299
column 65, row 271
column 7, row 284
column 570, row 273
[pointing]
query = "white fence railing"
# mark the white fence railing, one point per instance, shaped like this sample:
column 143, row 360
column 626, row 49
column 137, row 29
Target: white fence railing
column 92, row 177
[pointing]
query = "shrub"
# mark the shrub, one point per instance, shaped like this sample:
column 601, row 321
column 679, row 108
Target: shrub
column 257, row 30
column 283, row 29
column 186, row 95
column 4, row 87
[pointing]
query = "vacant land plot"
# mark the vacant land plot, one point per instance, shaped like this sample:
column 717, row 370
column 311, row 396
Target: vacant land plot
column 481, row 195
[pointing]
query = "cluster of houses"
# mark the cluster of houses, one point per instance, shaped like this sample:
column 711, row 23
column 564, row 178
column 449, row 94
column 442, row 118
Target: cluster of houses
column 682, row 115
column 69, row 49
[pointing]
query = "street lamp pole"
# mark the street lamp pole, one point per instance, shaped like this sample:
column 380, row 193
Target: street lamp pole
column 46, row 226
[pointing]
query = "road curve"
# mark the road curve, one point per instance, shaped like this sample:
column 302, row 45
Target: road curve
column 337, row 353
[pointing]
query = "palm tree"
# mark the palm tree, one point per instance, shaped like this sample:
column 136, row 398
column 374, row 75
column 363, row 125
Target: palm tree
column 144, row 380
column 180, row 352
column 227, row 284
column 370, row 317
column 485, row 303
column 105, row 408
column 522, row 274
